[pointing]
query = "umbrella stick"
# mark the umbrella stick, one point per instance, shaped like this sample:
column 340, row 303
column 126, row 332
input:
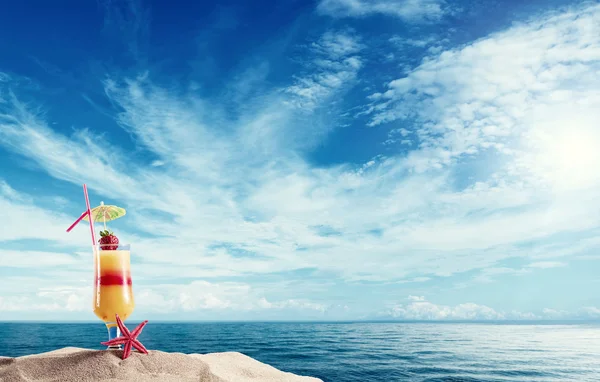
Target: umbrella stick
column 103, row 215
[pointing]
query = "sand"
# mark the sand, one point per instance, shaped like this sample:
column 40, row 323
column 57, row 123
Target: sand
column 81, row 365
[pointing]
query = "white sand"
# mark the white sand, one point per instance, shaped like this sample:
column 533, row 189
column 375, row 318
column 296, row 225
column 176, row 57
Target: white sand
column 81, row 365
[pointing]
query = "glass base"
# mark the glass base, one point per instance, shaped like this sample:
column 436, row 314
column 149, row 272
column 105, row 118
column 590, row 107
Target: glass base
column 113, row 332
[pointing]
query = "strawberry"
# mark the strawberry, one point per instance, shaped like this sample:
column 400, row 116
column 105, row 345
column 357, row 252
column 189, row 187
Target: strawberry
column 108, row 241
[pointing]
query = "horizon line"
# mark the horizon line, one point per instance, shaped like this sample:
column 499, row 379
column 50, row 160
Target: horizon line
column 358, row 321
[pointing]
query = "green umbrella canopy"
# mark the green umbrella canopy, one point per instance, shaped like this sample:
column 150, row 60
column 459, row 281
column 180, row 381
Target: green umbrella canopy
column 105, row 213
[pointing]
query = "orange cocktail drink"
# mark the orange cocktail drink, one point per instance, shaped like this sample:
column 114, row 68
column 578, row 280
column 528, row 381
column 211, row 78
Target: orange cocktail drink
column 113, row 293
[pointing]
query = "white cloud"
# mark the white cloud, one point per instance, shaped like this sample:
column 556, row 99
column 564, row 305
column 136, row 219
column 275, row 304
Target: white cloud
column 547, row 264
column 8, row 192
column 29, row 221
column 33, row 259
column 200, row 297
column 555, row 314
column 407, row 10
column 20, row 304
column 420, row 309
column 487, row 275
column 243, row 202
column 298, row 305
column 425, row 310
column 515, row 107
column 71, row 159
column 71, row 299
column 337, row 45
column 419, row 43
column 590, row 312
column 40, row 294
column 335, row 67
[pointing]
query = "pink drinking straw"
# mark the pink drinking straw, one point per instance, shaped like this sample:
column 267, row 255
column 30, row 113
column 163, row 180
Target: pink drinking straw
column 88, row 212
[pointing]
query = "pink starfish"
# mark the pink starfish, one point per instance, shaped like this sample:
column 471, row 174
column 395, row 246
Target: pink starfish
column 128, row 338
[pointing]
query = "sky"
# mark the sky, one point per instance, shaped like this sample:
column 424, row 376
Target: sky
column 304, row 160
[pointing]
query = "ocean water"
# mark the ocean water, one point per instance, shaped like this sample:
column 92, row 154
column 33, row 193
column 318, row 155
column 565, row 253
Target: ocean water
column 340, row 352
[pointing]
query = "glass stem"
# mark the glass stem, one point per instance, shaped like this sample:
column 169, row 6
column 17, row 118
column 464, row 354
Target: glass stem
column 113, row 332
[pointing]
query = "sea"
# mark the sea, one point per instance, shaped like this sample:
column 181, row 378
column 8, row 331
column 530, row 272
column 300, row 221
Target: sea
column 358, row 351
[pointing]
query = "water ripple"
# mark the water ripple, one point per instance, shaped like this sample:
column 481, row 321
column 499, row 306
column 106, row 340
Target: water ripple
column 367, row 352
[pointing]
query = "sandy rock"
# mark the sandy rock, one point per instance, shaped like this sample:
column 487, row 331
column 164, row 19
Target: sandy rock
column 82, row 365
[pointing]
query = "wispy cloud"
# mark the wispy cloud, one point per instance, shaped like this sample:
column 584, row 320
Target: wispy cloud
column 129, row 20
column 547, row 264
column 30, row 221
column 218, row 200
column 487, row 275
column 408, row 10
column 501, row 101
column 334, row 67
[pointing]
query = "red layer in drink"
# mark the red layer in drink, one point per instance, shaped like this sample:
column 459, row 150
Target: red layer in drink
column 113, row 279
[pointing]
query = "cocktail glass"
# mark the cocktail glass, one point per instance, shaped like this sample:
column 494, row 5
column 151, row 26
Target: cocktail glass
column 113, row 293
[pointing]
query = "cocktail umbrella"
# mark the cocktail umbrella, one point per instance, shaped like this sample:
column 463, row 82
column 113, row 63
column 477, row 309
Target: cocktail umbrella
column 104, row 213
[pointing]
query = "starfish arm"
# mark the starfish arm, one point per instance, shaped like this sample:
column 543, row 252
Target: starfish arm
column 138, row 345
column 115, row 341
column 122, row 327
column 127, row 350
column 136, row 332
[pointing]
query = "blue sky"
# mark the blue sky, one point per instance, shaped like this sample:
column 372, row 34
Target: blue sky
column 329, row 160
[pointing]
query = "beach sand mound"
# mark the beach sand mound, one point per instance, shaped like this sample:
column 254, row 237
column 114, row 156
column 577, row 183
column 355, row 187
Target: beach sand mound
column 81, row 365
